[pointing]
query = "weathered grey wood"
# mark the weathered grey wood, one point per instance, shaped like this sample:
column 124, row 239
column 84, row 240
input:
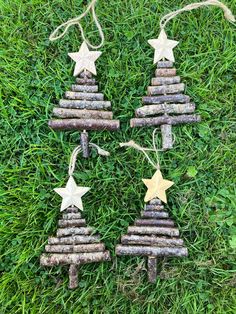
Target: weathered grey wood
column 73, row 258
column 165, row 72
column 153, row 251
column 154, row 214
column 85, row 81
column 84, row 104
column 175, row 98
column 165, row 80
column 166, row 89
column 84, row 96
column 151, row 240
column 140, row 122
column 164, row 64
column 72, row 210
column 152, row 269
column 73, row 277
column 73, row 231
column 173, row 232
column 154, row 222
column 151, row 110
column 72, row 216
column 85, row 74
column 82, row 113
column 153, row 207
column 84, row 88
column 82, row 248
column 84, row 124
column 166, row 133
column 84, row 143
column 71, row 223
column 74, row 239
column 155, row 201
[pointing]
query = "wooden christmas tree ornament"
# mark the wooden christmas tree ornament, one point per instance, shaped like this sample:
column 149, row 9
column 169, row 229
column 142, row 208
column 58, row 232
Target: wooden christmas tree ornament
column 83, row 108
column 75, row 243
column 166, row 104
column 154, row 235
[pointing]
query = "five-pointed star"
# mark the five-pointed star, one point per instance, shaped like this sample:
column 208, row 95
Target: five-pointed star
column 163, row 47
column 157, row 187
column 71, row 194
column 85, row 59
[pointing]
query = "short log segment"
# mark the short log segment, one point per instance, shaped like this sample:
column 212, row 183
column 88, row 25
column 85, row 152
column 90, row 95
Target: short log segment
column 84, row 88
column 77, row 239
column 84, row 96
column 166, row 89
column 84, row 104
column 85, row 81
column 84, row 143
column 73, row 276
column 61, row 232
column 71, row 223
column 153, row 235
column 173, row 120
column 152, row 110
column 160, row 80
column 167, row 141
column 175, row 98
column 82, row 248
column 152, row 269
column 84, row 124
column 82, row 113
column 164, row 64
column 165, row 72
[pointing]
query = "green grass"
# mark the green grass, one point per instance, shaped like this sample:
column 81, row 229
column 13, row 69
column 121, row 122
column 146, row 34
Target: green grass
column 34, row 160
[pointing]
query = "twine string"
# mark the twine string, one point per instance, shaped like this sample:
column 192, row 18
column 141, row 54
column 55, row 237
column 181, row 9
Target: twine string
column 145, row 150
column 76, row 21
column 227, row 12
column 78, row 150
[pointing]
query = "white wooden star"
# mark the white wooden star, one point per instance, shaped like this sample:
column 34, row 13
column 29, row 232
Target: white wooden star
column 163, row 47
column 157, row 187
column 71, row 194
column 85, row 59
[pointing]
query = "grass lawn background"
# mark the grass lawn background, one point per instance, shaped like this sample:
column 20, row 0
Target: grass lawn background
column 34, row 159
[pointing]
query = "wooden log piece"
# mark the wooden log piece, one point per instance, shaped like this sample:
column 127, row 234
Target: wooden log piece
column 73, row 258
column 74, row 240
column 165, row 80
column 173, row 232
column 72, row 216
column 85, row 81
column 84, row 88
column 175, row 98
column 151, row 110
column 164, row 64
column 72, row 210
column 84, row 96
column 73, row 277
column 84, row 124
column 151, row 240
column 153, row 207
column 141, row 122
column 73, row 231
column 155, row 201
column 71, row 223
column 85, row 74
column 82, row 113
column 165, row 72
column 154, row 222
column 153, row 251
column 84, row 143
column 166, row 133
column 84, row 104
column 82, row 248
column 154, row 214
column 152, row 269
column 166, row 89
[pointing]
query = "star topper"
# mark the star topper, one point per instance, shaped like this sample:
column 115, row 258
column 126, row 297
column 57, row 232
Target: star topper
column 157, row 187
column 85, row 59
column 71, row 194
column 163, row 47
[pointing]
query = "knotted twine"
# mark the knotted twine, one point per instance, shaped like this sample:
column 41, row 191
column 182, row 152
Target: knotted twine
column 78, row 150
column 227, row 12
column 76, row 21
column 145, row 150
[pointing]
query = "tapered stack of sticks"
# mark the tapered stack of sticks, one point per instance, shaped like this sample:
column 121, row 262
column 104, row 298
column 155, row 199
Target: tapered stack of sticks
column 74, row 245
column 165, row 105
column 154, row 235
column 84, row 108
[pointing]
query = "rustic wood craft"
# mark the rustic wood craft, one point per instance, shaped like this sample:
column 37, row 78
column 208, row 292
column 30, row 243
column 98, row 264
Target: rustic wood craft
column 154, row 235
column 74, row 245
column 165, row 105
